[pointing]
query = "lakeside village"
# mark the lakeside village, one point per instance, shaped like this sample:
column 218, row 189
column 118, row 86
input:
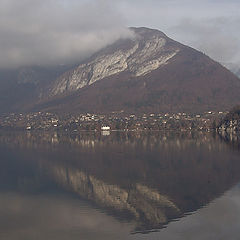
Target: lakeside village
column 94, row 122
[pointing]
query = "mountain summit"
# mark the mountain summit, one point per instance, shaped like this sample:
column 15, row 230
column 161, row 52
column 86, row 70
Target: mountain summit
column 146, row 73
column 147, row 51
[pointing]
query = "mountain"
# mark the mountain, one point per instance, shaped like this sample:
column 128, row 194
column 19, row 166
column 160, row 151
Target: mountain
column 147, row 52
column 147, row 73
column 233, row 67
column 238, row 73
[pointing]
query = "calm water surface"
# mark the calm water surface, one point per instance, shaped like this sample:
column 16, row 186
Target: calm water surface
column 56, row 186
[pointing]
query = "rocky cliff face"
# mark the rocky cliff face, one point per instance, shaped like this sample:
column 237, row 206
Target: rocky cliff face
column 147, row 51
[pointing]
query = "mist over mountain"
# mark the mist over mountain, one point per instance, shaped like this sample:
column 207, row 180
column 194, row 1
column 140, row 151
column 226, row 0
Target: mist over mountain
column 49, row 32
column 147, row 72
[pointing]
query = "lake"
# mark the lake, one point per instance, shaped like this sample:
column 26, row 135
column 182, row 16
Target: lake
column 119, row 185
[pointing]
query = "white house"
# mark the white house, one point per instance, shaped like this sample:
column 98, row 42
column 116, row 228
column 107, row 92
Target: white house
column 105, row 128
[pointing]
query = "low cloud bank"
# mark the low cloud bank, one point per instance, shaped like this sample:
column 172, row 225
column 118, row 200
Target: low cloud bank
column 47, row 32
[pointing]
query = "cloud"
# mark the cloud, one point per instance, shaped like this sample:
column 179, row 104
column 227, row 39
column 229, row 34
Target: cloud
column 35, row 32
column 45, row 32
column 208, row 25
column 217, row 37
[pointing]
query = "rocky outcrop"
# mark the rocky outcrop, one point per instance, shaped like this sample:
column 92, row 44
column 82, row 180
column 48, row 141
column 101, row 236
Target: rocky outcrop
column 143, row 54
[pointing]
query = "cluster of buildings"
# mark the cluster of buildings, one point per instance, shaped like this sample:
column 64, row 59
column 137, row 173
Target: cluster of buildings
column 230, row 123
column 230, row 126
column 115, row 121
column 20, row 121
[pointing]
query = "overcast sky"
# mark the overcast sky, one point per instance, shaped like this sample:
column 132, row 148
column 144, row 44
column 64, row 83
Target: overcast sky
column 59, row 31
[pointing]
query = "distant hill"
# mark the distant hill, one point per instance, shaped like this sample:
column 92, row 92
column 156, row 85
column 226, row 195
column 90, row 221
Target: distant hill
column 21, row 88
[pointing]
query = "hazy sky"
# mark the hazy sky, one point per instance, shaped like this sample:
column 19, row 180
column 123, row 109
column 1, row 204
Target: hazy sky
column 57, row 31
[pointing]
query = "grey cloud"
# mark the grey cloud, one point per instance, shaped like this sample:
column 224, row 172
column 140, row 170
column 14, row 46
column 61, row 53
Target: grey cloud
column 208, row 25
column 34, row 32
column 217, row 37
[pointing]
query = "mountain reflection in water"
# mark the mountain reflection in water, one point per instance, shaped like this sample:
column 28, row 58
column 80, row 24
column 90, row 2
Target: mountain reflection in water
column 145, row 179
